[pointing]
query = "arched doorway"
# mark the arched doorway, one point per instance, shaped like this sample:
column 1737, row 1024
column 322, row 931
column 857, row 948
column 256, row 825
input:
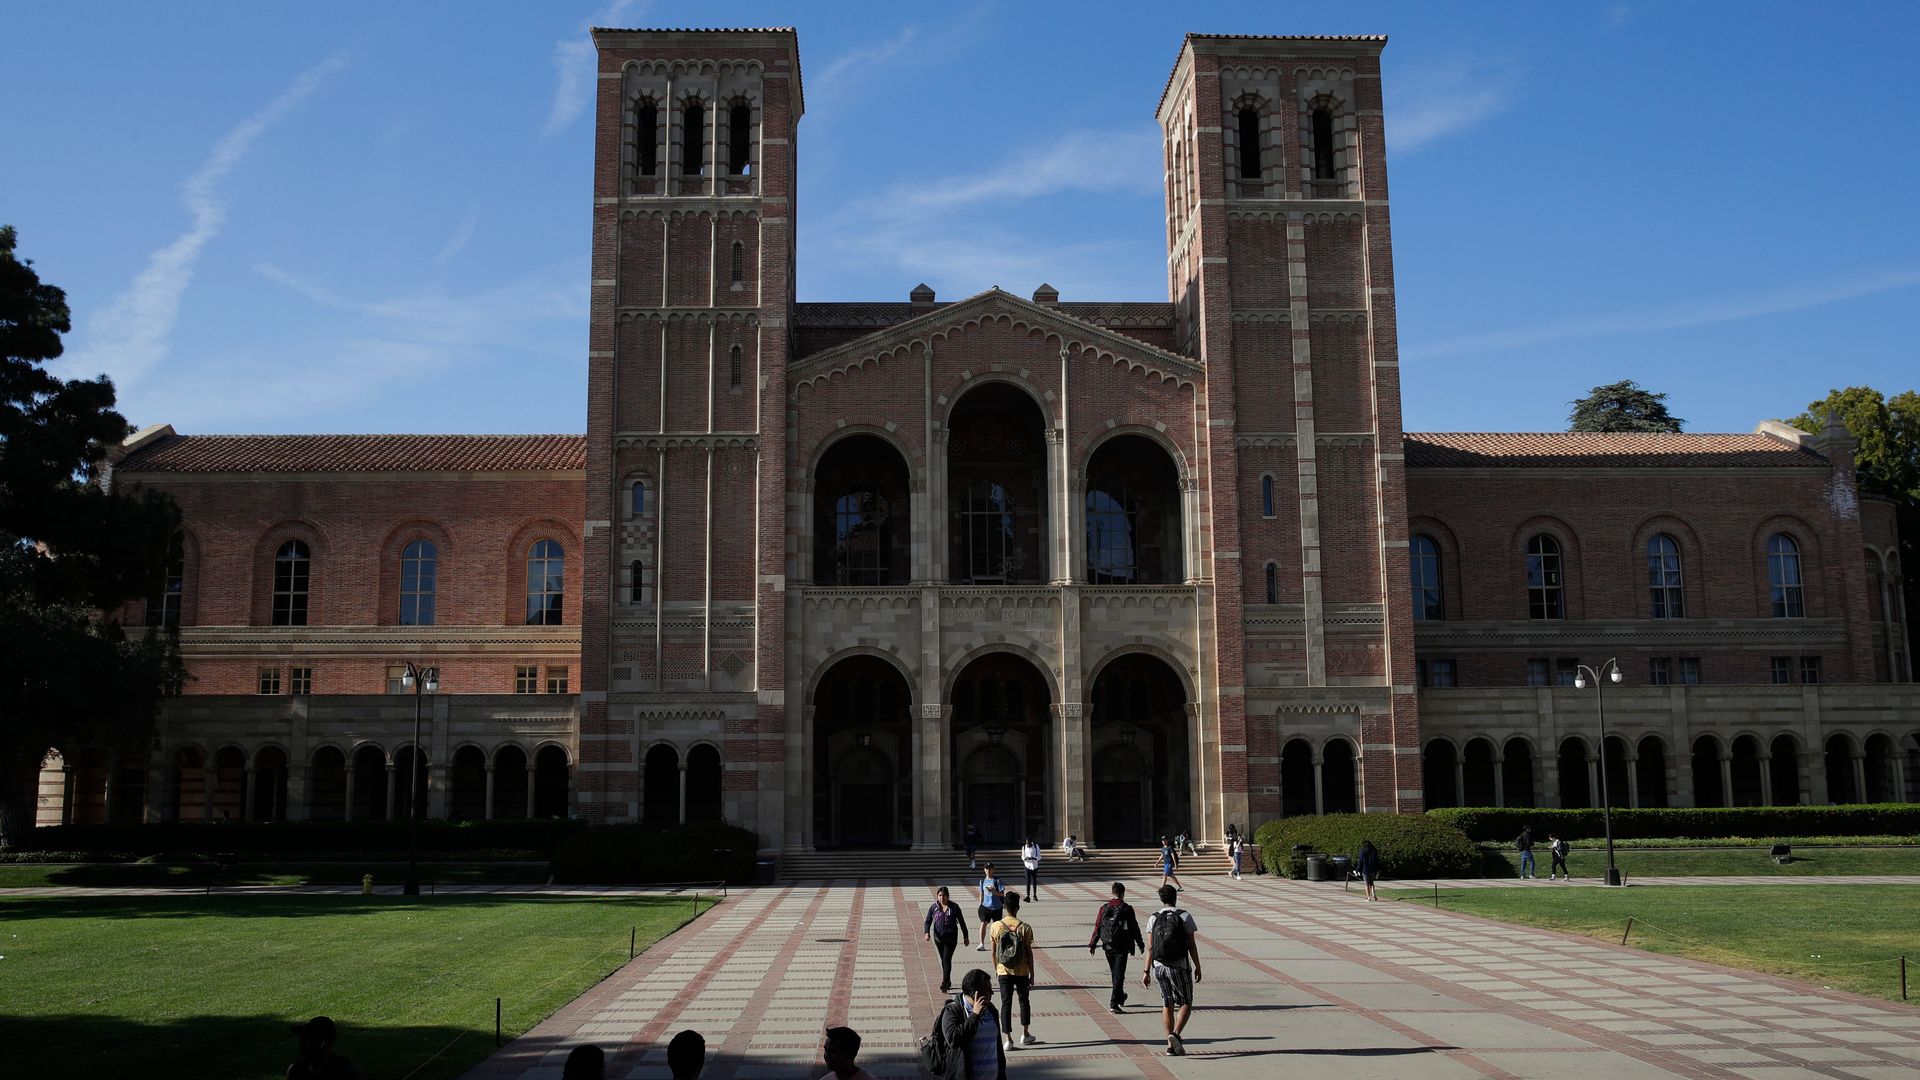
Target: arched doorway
column 467, row 784
column 1141, row 752
column 862, row 516
column 997, row 488
column 1132, row 514
column 1575, row 791
column 510, row 783
column 269, row 785
column 1784, row 770
column 327, row 785
column 1910, row 761
column 662, row 783
column 229, row 784
column 1516, row 772
column 1000, row 734
column 409, row 784
column 367, row 784
column 862, row 744
column 1436, row 770
column 706, row 799
column 1614, row 776
column 1652, row 771
column 1745, row 769
column 551, row 778
column 1477, row 770
column 51, row 808
column 1878, row 765
column 1339, row 779
column 1707, row 789
column 1298, row 790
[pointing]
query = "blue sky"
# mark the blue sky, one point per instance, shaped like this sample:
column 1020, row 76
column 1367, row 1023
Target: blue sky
column 374, row 217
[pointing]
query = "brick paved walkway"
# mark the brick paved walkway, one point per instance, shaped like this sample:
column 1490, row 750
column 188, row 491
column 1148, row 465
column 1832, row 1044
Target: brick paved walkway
column 1296, row 975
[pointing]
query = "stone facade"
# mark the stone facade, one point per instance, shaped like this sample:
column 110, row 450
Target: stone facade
column 859, row 574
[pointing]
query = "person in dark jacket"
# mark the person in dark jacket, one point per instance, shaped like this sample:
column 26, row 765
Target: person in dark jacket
column 1120, row 938
column 970, row 1028
column 1524, row 844
column 945, row 926
column 1367, row 865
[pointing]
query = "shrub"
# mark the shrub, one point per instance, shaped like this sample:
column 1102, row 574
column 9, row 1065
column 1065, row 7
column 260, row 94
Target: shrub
column 1502, row 824
column 641, row 854
column 1411, row 845
column 300, row 837
column 42, row 857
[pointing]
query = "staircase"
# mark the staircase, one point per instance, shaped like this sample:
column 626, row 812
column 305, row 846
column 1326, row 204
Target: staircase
column 1138, row 867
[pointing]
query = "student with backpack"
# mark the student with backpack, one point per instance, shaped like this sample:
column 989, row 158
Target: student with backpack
column 1559, row 849
column 1116, row 930
column 945, row 926
column 1012, row 947
column 1173, row 960
column 965, row 1041
column 991, row 889
column 1524, row 844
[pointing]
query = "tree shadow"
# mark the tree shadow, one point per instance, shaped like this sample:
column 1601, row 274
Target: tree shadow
column 195, row 1047
column 192, row 905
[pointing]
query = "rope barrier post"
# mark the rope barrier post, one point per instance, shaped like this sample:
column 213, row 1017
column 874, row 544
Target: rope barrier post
column 1903, row 976
column 496, row 1022
column 633, row 938
column 1628, row 930
column 1436, row 894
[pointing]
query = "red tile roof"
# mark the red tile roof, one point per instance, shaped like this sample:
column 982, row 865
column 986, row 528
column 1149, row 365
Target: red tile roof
column 1574, row 450
column 357, row 453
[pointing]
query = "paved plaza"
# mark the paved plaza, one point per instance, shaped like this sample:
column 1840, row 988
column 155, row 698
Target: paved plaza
column 1297, row 975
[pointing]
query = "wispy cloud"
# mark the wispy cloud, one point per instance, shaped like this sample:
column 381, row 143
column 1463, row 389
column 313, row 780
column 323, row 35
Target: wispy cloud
column 841, row 70
column 1077, row 162
column 574, row 66
column 132, row 333
column 1699, row 313
column 1442, row 101
column 462, row 235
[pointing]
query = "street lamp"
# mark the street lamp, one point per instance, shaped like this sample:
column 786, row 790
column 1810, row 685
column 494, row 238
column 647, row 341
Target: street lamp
column 1580, row 676
column 419, row 680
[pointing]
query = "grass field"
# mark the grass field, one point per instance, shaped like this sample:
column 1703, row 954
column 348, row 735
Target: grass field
column 1845, row 937
column 208, row 986
column 342, row 872
column 1655, row 862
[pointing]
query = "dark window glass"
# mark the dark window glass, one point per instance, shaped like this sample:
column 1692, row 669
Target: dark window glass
column 1782, row 670
column 739, row 139
column 1273, row 584
column 1565, row 671
column 862, row 539
column 526, row 679
column 292, row 566
column 733, row 367
column 1266, row 496
column 1110, row 537
column 419, row 578
column 693, row 139
column 1441, row 674
column 1544, row 584
column 639, row 498
column 739, row 261
column 269, row 680
column 1659, row 671
column 1689, row 671
column 1424, row 566
column 1809, row 669
column 163, row 607
column 546, row 583
column 300, row 681
column 1783, row 577
column 637, row 582
column 1539, row 672
column 1663, row 578
column 646, row 137
column 1323, row 144
column 1249, row 144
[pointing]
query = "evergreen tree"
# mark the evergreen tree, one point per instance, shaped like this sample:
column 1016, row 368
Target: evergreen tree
column 1622, row 406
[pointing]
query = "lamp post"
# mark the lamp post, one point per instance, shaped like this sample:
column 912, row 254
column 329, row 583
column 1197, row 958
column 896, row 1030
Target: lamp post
column 419, row 680
column 1581, row 674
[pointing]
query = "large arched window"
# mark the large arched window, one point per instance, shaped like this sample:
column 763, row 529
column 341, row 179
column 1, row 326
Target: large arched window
column 1250, row 164
column 1429, row 597
column 1133, row 514
column 862, row 514
column 1663, row 578
column 1545, row 597
column 163, row 607
column 1783, row 577
column 639, row 498
column 1323, row 162
column 738, row 266
column 292, row 569
column 693, row 138
column 419, row 577
column 546, row 583
column 997, row 480
column 646, row 138
column 734, row 364
column 1266, row 496
column 739, row 138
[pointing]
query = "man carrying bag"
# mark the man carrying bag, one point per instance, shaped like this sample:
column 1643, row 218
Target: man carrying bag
column 1117, row 930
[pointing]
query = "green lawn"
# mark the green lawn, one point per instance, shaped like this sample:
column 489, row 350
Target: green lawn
column 1656, row 862
column 21, row 875
column 1844, row 937
column 207, row 986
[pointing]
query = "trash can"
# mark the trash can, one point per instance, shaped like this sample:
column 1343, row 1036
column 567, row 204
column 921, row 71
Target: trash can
column 1338, row 866
column 763, row 871
column 1316, row 868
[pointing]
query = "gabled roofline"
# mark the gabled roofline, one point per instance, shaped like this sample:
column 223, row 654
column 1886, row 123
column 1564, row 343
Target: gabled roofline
column 630, row 36
column 1294, row 44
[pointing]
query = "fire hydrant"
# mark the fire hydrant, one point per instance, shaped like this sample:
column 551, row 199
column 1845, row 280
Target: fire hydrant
column 366, row 884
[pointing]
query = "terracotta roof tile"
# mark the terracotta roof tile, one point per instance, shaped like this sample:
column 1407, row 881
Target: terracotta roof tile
column 1630, row 450
column 357, row 453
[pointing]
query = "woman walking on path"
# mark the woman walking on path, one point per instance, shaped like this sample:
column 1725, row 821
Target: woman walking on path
column 991, row 889
column 1233, row 852
column 1169, row 862
column 1559, row 849
column 945, row 926
column 1368, row 865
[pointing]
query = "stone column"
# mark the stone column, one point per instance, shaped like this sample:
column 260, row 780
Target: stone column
column 206, row 790
column 1546, row 780
column 1633, row 781
column 683, row 791
column 929, row 777
column 390, row 791
column 353, row 771
column 106, row 792
column 1726, row 779
column 299, row 778
column 1594, row 794
column 246, row 806
column 1459, row 780
column 1319, row 785
column 440, row 761
column 1499, row 779
column 1070, row 719
column 487, row 814
column 1766, row 779
column 1859, row 776
column 68, row 784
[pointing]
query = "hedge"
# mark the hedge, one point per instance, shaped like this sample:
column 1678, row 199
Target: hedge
column 1411, row 846
column 1703, row 823
column 300, row 837
column 640, row 854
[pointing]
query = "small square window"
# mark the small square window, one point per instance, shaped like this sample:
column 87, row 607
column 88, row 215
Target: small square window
column 396, row 674
column 1782, row 670
column 269, row 680
column 557, row 680
column 1690, row 671
column 1809, row 669
column 1442, row 674
column 1539, row 673
column 1565, row 671
column 526, row 679
column 1659, row 671
column 300, row 681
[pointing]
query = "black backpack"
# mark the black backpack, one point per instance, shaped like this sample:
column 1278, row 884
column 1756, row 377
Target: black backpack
column 1170, row 942
column 1110, row 928
column 934, row 1051
column 1009, row 949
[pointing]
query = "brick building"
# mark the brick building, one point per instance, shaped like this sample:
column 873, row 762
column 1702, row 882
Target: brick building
column 859, row 573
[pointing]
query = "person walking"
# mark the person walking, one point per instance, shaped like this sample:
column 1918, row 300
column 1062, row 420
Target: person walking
column 1367, row 865
column 1012, row 947
column 945, row 926
column 1559, row 849
column 1173, row 961
column 972, row 841
column 969, row 1032
column 991, row 891
column 586, row 1062
column 687, row 1055
column 1524, row 842
column 1117, row 930
column 837, row 1050
column 1169, row 862
column 1030, row 858
column 1233, row 854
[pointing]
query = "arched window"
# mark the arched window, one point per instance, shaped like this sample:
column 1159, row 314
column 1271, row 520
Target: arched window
column 637, row 582
column 861, row 538
column 1273, row 584
column 639, row 498
column 1266, row 496
column 546, row 583
column 1133, row 514
column 419, row 574
column 163, row 607
column 1429, row 598
column 739, row 261
column 292, row 566
column 1544, row 584
column 1323, row 168
column 646, row 138
column 733, row 367
column 693, row 139
column 1249, row 144
column 739, row 138
column 1783, row 577
column 1663, row 578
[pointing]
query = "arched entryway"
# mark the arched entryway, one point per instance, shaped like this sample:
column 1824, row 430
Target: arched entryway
column 1878, row 765
column 327, row 785
column 1299, row 789
column 269, row 785
column 467, row 784
column 229, row 784
column 862, row 519
column 1614, row 778
column 661, row 781
column 1000, row 736
column 1477, row 770
column 510, row 787
column 551, row 778
column 862, row 752
column 1437, row 765
column 367, row 782
column 997, row 488
column 1576, row 791
column 1707, row 788
column 706, row 797
column 1141, row 752
column 1516, row 773
column 1339, row 778
column 1784, row 770
column 1651, row 771
column 1841, row 785
column 1132, row 514
column 1744, row 770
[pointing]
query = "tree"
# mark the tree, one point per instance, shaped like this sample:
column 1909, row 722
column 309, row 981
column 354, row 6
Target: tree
column 1622, row 406
column 1886, row 431
column 71, row 555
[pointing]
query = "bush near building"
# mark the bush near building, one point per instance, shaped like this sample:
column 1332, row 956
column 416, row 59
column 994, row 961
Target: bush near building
column 643, row 854
column 1502, row 824
column 1411, row 845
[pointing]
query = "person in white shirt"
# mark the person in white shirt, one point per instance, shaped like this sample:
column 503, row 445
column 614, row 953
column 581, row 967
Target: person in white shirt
column 1030, row 858
column 1073, row 849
